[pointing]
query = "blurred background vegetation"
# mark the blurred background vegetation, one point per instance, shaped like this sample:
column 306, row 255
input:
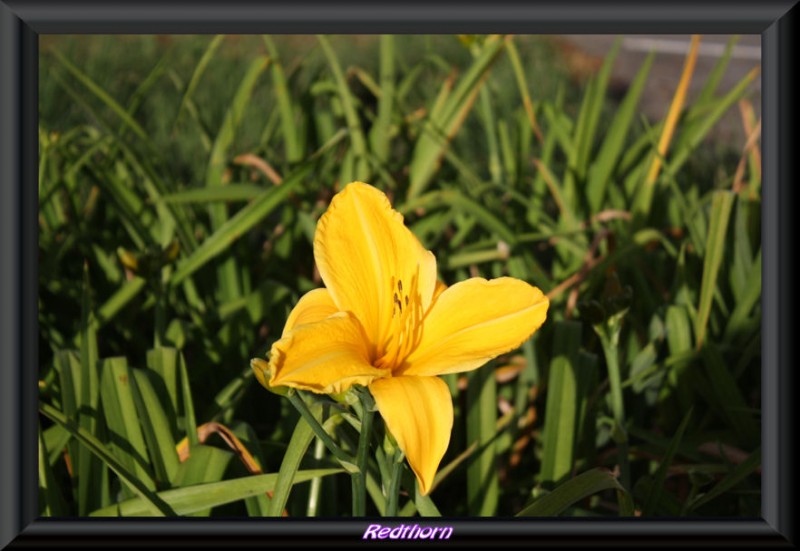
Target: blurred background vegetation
column 181, row 178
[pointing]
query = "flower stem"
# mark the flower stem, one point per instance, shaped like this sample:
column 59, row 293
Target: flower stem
column 300, row 405
column 360, row 478
column 394, row 485
column 316, row 483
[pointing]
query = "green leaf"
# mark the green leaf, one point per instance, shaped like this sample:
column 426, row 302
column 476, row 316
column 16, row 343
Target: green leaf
column 154, row 504
column 164, row 361
column 571, row 492
column 51, row 502
column 749, row 299
column 560, row 430
column 205, row 464
column 55, row 440
column 122, row 419
column 156, row 425
column 483, row 490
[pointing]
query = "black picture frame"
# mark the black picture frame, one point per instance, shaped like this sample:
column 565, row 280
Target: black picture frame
column 21, row 21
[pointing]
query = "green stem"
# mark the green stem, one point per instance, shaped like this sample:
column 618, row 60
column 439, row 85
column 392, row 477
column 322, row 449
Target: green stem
column 360, row 477
column 301, row 407
column 394, row 485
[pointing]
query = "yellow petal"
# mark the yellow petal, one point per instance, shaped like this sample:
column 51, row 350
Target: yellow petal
column 419, row 413
column 474, row 321
column 314, row 306
column 364, row 253
column 326, row 357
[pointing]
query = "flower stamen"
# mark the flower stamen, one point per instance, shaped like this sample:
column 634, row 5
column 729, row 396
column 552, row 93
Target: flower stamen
column 404, row 330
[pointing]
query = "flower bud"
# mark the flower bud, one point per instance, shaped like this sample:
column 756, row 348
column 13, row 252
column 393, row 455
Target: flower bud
column 261, row 369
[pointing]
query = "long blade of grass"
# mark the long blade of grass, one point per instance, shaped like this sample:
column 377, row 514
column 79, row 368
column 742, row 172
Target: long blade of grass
column 361, row 169
column 611, row 149
column 301, row 439
column 721, row 206
column 192, row 499
column 289, row 127
column 729, row 397
column 438, row 130
column 238, row 225
column 197, row 74
column 490, row 130
column 522, row 85
column 715, row 76
column 228, row 272
column 654, row 496
column 205, row 464
column 586, row 136
column 89, row 469
column 742, row 471
column 139, row 221
column 571, row 492
column 189, row 420
column 454, row 199
column 102, row 95
column 379, row 135
column 233, row 117
column 211, row 194
column 694, row 135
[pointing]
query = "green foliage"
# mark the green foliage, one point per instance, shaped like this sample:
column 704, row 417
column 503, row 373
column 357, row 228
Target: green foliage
column 179, row 190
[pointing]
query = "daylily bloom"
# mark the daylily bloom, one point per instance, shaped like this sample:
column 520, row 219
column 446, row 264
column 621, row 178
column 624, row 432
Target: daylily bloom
column 385, row 322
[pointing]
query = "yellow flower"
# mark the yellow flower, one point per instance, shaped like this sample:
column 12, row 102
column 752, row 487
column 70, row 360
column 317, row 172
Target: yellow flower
column 385, row 322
